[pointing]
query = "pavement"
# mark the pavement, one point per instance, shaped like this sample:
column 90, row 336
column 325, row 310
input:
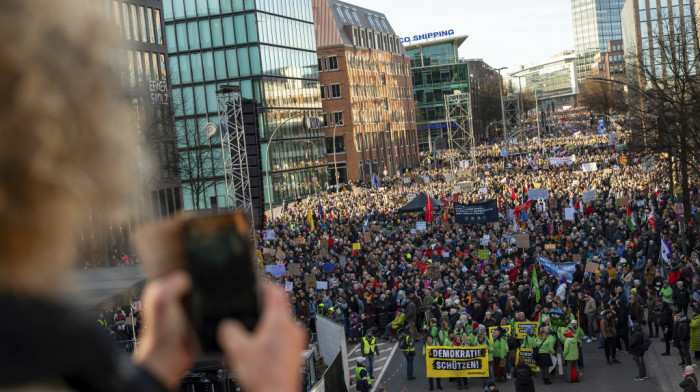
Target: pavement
column 663, row 373
column 387, row 351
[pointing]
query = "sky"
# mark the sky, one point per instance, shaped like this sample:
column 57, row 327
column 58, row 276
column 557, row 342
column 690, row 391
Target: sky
column 505, row 33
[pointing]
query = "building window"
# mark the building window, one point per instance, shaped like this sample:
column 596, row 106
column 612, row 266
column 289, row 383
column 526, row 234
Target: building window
column 382, row 76
column 339, row 144
column 335, row 90
column 386, row 104
column 332, row 63
column 338, row 118
column 326, row 119
column 320, row 67
column 363, row 38
column 325, row 64
column 354, row 37
column 351, row 60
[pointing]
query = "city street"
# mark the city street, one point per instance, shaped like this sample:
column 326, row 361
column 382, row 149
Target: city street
column 663, row 373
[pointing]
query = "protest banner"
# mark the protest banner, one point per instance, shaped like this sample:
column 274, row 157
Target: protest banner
column 555, row 269
column 521, row 328
column 483, row 254
column 294, row 269
column 569, row 213
column 310, row 280
column 505, row 328
column 591, row 267
column 550, row 246
column 288, row 286
column 622, row 201
column 356, row 246
column 522, row 241
column 299, row 241
column 268, row 235
column 538, row 194
column 562, row 161
column 468, row 361
column 276, row 270
column 526, row 354
column 421, row 226
column 476, row 213
column 589, row 167
column 589, row 196
column 558, row 319
column 321, row 285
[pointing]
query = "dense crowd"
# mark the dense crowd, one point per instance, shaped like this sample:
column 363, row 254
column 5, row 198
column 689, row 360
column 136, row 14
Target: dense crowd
column 631, row 282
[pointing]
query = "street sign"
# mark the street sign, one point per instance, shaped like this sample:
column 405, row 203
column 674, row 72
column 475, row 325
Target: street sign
column 601, row 127
column 679, row 208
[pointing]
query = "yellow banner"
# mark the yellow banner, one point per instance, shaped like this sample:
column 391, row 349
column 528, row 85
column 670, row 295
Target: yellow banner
column 356, row 246
column 526, row 353
column 521, row 328
column 506, row 328
column 457, row 361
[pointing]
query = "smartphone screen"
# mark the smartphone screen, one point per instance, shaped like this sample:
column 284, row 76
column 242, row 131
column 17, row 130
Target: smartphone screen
column 224, row 281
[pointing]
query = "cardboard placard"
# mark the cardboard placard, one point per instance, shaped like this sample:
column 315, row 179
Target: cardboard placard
column 357, row 191
column 445, row 225
column 299, row 241
column 310, row 281
column 433, row 271
column 622, row 201
column 280, row 255
column 522, row 241
column 592, row 267
column 576, row 258
column 294, row 269
column 367, row 237
column 269, row 252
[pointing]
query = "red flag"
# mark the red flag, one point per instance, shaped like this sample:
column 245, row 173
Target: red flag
column 429, row 211
column 330, row 241
column 525, row 206
column 512, row 194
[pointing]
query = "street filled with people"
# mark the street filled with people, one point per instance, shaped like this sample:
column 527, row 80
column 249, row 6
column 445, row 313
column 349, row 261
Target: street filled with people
column 586, row 249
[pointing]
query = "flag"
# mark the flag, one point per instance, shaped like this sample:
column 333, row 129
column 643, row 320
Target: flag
column 666, row 250
column 577, row 133
column 429, row 211
column 310, row 219
column 376, row 183
column 630, row 218
column 525, row 191
column 525, row 217
column 535, row 284
column 330, row 241
column 523, row 207
column 651, row 220
column 320, row 212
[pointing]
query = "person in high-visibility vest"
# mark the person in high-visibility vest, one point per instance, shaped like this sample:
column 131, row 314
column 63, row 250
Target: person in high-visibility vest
column 409, row 352
column 362, row 378
column 369, row 349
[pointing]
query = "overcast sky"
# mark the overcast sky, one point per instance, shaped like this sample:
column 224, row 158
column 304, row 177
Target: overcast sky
column 505, row 33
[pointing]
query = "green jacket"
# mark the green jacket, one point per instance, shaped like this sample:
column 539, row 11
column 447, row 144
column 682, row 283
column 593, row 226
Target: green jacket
column 529, row 342
column 666, row 293
column 570, row 349
column 398, row 321
column 500, row 347
column 695, row 333
column 548, row 344
column 579, row 335
column 443, row 335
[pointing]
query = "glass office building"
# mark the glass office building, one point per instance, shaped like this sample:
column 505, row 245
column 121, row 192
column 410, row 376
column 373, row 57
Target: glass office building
column 595, row 23
column 267, row 47
column 437, row 71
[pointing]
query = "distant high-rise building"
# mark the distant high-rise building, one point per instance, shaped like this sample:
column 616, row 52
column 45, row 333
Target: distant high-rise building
column 595, row 24
column 267, row 48
column 366, row 91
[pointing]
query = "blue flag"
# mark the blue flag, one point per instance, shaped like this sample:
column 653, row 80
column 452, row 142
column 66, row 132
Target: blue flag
column 376, row 183
column 320, row 211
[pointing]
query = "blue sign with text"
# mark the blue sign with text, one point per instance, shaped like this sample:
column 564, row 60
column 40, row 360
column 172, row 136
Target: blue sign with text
column 436, row 34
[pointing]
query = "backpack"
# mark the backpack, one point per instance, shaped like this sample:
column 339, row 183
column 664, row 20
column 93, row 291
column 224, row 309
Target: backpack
column 646, row 343
column 522, row 376
column 402, row 342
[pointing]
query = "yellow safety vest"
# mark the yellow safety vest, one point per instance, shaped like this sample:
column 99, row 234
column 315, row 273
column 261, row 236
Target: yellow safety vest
column 408, row 347
column 368, row 347
column 358, row 369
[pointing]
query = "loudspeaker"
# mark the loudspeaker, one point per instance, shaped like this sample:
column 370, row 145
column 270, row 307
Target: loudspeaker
column 255, row 169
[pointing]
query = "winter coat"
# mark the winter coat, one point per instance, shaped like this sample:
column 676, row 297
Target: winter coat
column 689, row 383
column 607, row 327
column 695, row 333
column 681, row 297
column 547, row 346
column 570, row 349
column 499, row 347
column 590, row 308
column 636, row 344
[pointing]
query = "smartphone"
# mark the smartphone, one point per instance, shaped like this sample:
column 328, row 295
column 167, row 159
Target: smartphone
column 224, row 283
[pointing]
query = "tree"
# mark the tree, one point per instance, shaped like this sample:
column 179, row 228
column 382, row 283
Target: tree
column 602, row 98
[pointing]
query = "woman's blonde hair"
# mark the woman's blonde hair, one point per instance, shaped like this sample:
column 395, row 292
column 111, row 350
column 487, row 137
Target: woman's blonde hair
column 66, row 144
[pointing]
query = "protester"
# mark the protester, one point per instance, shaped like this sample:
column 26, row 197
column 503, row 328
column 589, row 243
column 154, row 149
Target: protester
column 637, row 351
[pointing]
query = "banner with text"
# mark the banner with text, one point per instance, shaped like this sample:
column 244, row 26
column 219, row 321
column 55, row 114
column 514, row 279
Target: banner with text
column 457, row 361
column 522, row 327
column 563, row 161
column 554, row 269
column 505, row 328
column 476, row 213
column 526, row 354
column 538, row 194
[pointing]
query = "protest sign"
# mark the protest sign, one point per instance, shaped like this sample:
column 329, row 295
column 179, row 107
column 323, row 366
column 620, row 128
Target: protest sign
column 589, row 196
column 463, row 164
column 522, row 241
column 328, row 267
column 576, row 258
column 550, row 246
column 448, row 177
column 521, row 328
column 294, row 269
column 607, row 171
column 268, row 235
column 333, row 282
column 526, row 355
column 569, row 213
column 421, row 225
column 321, row 285
column 406, row 180
column 483, row 191
column 356, row 246
column 269, row 252
column 288, row 286
column 279, row 255
column 310, row 280
column 648, row 164
column 299, row 241
column 505, row 328
column 623, row 160
column 367, row 237
column 562, row 161
column 622, row 201
column 433, row 271
column 483, row 254
column 357, row 191
column 276, row 270
column 589, row 167
column 538, row 194
column 457, row 189
column 555, row 269
column 558, row 319
column 467, row 361
column 413, row 231
column 426, row 179
column 476, row 213
column 591, row 267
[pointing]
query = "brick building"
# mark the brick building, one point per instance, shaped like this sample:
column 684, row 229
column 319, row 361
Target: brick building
column 610, row 64
column 366, row 92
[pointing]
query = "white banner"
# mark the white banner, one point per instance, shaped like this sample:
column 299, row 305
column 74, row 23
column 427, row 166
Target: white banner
column 421, row 226
column 569, row 213
column 268, row 235
column 589, row 196
column 464, row 164
column 589, row 167
column 563, row 160
column 448, row 177
column 538, row 194
column 483, row 190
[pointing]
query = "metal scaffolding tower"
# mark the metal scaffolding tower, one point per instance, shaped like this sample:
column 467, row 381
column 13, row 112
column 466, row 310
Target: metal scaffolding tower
column 511, row 105
column 460, row 130
column 233, row 147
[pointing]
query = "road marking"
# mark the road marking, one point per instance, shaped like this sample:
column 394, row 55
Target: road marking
column 388, row 361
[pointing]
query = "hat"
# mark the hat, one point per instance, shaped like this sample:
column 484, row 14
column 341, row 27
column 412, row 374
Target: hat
column 690, row 369
column 475, row 325
column 588, row 292
column 634, row 290
column 360, row 359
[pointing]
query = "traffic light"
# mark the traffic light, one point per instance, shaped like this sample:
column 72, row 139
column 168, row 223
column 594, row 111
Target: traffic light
column 590, row 118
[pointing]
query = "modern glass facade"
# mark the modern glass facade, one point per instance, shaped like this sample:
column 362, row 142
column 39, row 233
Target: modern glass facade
column 437, row 72
column 553, row 81
column 595, row 23
column 266, row 47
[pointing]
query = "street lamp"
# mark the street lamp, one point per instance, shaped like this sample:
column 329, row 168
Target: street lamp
column 311, row 122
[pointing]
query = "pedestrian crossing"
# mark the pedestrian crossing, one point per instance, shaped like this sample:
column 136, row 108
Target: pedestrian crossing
column 385, row 348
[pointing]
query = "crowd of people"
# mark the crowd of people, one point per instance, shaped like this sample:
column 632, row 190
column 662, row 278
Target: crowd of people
column 448, row 284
